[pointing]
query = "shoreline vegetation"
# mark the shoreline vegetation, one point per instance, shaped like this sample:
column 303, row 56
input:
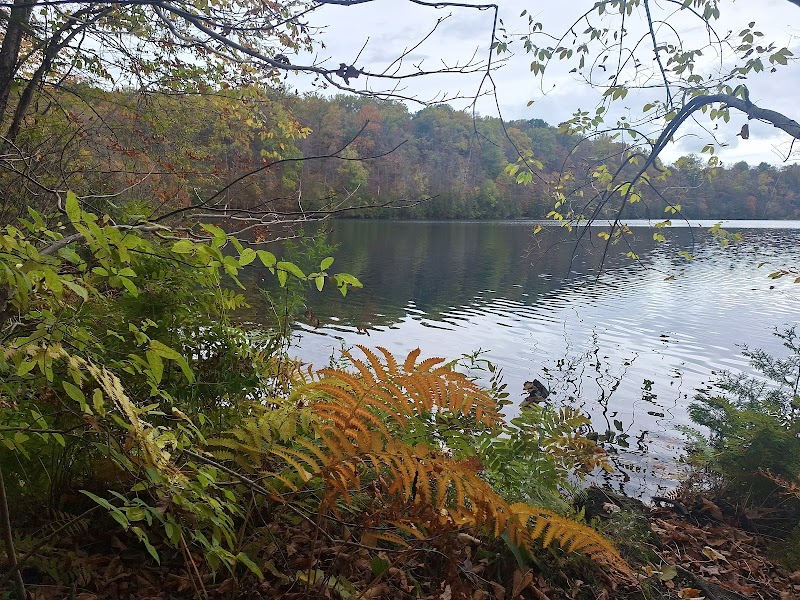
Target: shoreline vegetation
column 154, row 448
column 357, row 157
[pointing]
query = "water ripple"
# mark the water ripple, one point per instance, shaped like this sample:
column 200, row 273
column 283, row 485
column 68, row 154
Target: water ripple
column 599, row 342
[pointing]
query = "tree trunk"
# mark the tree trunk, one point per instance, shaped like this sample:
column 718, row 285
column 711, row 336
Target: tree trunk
column 18, row 22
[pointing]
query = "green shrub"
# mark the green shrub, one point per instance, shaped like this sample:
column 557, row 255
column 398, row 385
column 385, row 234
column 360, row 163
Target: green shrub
column 754, row 423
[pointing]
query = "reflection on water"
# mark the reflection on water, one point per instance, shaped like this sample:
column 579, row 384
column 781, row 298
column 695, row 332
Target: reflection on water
column 630, row 346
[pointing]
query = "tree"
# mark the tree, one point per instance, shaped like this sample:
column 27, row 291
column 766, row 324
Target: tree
column 633, row 49
column 57, row 55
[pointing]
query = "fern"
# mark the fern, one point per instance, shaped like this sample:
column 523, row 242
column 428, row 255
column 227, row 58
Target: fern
column 337, row 438
column 66, row 524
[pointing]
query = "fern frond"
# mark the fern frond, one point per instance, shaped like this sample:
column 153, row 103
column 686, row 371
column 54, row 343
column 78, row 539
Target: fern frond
column 391, row 362
column 67, row 524
column 411, row 360
column 349, row 447
column 393, row 538
column 570, row 535
column 428, row 364
column 788, row 487
column 375, row 362
column 410, row 529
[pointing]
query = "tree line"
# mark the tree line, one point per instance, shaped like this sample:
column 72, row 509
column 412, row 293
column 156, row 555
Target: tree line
column 312, row 153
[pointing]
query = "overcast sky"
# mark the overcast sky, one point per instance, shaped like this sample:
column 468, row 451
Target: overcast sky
column 387, row 27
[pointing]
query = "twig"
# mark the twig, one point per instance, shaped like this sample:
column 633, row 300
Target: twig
column 190, row 560
column 5, row 523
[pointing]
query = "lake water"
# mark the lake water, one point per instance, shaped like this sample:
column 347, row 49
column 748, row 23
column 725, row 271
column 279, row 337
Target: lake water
column 630, row 343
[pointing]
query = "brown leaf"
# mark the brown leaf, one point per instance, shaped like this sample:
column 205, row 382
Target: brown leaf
column 539, row 594
column 715, row 542
column 712, row 554
column 499, row 590
column 668, row 572
column 521, row 582
column 378, row 591
column 712, row 510
column 745, row 132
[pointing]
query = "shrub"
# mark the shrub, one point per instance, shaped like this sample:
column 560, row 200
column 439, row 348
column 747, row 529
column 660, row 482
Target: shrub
column 754, row 423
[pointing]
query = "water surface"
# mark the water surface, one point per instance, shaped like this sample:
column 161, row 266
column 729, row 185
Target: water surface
column 630, row 343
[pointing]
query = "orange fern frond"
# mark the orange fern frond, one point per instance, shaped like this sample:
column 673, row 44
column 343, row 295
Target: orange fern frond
column 345, row 444
column 570, row 535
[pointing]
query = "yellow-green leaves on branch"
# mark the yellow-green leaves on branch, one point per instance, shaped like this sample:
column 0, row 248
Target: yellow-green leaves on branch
column 285, row 268
column 319, row 278
column 166, row 352
column 343, row 280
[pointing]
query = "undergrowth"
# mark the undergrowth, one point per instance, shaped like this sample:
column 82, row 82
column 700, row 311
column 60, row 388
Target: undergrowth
column 138, row 419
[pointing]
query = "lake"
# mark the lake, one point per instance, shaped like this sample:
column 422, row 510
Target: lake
column 630, row 343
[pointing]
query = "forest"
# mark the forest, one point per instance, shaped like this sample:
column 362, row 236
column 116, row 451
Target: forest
column 369, row 158
column 157, row 443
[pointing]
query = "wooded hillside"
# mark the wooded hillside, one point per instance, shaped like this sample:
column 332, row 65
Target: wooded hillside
column 436, row 163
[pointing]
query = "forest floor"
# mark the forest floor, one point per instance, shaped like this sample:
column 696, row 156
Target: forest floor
column 690, row 546
column 684, row 547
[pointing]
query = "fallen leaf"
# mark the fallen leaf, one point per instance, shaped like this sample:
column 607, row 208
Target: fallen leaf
column 499, row 590
column 521, row 582
column 668, row 572
column 539, row 594
column 712, row 554
column 711, row 509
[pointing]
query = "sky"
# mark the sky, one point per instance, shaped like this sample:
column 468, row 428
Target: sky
column 373, row 34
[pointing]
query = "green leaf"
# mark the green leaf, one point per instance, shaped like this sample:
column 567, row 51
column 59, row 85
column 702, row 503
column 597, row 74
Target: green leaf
column 144, row 539
column 156, row 365
column 326, row 262
column 72, row 207
column 348, row 279
column 219, row 236
column 248, row 562
column 520, row 554
column 101, row 501
column 183, row 247
column 98, row 402
column 290, row 268
column 70, row 256
column 79, row 290
column 247, row 256
column 166, row 352
column 319, row 280
column 130, row 286
column 74, row 392
column 267, row 258
column 135, row 513
column 379, row 566
column 25, row 367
